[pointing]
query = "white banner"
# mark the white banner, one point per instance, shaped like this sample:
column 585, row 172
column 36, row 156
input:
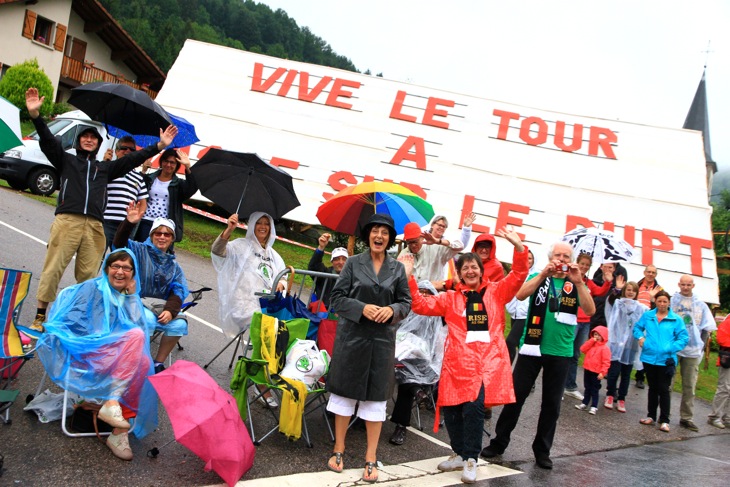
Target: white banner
column 543, row 172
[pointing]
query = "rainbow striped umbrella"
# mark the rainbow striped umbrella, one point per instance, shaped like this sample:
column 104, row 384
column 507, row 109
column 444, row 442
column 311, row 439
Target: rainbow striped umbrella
column 350, row 209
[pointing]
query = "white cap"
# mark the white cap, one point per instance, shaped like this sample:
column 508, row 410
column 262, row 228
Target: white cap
column 162, row 222
column 339, row 252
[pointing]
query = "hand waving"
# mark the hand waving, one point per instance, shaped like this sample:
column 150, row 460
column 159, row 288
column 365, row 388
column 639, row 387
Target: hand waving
column 509, row 234
column 167, row 135
column 134, row 215
column 33, row 103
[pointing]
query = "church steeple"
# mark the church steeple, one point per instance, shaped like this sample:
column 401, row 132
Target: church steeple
column 698, row 119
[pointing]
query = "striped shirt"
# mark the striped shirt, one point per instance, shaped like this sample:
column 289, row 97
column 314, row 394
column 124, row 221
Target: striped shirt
column 121, row 192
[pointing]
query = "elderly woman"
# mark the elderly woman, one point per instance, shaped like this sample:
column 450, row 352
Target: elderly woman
column 476, row 369
column 95, row 345
column 167, row 193
column 246, row 266
column 161, row 277
column 370, row 297
column 661, row 334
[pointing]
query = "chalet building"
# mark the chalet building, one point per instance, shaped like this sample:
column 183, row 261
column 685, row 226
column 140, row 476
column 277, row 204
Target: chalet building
column 75, row 42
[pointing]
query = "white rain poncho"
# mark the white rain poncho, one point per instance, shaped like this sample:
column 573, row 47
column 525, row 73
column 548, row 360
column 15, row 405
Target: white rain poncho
column 95, row 345
column 246, row 269
column 697, row 318
column 160, row 276
column 419, row 346
column 621, row 317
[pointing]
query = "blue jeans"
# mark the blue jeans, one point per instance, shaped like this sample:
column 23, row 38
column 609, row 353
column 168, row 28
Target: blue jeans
column 618, row 369
column 465, row 424
column 581, row 336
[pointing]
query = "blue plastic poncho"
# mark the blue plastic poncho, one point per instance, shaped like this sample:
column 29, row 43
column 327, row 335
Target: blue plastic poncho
column 419, row 346
column 95, row 345
column 160, row 276
column 621, row 317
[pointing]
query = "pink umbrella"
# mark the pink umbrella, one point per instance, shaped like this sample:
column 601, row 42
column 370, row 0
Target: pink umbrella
column 205, row 419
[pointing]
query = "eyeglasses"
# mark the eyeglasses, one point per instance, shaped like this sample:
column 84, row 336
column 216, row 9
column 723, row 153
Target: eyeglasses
column 125, row 148
column 440, row 225
column 412, row 242
column 118, row 267
column 162, row 234
column 169, row 161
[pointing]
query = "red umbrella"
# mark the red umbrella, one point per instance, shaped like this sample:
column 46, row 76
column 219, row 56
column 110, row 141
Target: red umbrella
column 205, row 419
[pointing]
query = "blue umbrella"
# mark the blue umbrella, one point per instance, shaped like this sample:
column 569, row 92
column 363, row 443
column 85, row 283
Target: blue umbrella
column 185, row 134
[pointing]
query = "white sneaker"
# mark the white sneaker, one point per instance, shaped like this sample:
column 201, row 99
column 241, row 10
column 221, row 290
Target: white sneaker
column 581, row 407
column 574, row 394
column 112, row 415
column 592, row 411
column 119, row 445
column 716, row 423
column 270, row 401
column 469, row 474
column 454, row 462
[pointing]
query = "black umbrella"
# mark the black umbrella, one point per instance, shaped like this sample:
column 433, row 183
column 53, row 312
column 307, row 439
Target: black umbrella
column 243, row 183
column 121, row 106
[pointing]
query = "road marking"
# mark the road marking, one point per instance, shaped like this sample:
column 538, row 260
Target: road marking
column 201, row 320
column 23, row 233
column 421, row 473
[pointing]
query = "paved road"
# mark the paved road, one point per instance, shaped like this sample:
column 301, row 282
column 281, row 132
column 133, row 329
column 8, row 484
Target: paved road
column 607, row 448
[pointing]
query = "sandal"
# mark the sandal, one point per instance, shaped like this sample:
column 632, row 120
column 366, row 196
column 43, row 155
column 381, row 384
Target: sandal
column 664, row 427
column 369, row 466
column 647, row 421
column 337, row 455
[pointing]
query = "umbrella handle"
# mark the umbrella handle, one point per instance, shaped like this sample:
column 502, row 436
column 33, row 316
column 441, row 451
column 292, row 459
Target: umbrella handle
column 290, row 279
column 250, row 172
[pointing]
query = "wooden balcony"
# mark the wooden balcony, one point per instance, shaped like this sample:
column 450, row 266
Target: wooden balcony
column 83, row 73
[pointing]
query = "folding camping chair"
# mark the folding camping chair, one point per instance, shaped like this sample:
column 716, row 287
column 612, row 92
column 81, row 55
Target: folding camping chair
column 255, row 371
column 157, row 308
column 14, row 285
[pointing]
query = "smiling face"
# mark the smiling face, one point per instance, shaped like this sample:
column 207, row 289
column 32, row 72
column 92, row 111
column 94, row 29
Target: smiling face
column 378, row 239
column 470, row 273
column 162, row 237
column 483, row 250
column 584, row 264
column 415, row 245
column 438, row 228
column 649, row 274
column 262, row 229
column 168, row 166
column 338, row 263
column 120, row 272
column 88, row 142
column 631, row 291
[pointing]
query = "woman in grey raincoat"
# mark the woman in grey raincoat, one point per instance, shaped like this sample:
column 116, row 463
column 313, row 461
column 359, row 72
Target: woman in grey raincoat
column 370, row 297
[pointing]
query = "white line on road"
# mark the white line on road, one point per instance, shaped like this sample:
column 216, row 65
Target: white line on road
column 23, row 233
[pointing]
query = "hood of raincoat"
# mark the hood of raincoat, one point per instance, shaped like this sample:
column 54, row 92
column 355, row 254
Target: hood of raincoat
column 485, row 237
column 601, row 330
column 251, row 224
column 426, row 284
column 88, row 333
column 159, row 272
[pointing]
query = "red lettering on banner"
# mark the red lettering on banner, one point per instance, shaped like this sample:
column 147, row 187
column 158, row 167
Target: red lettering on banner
column 342, row 179
column 504, row 217
column 599, row 143
column 311, row 95
column 695, row 251
column 629, row 234
column 257, row 82
column 396, row 111
column 404, row 152
column 204, row 151
column 505, row 117
column 576, row 139
column 648, row 245
column 432, row 111
column 468, row 208
column 339, row 86
column 602, row 137
column 572, row 222
column 288, row 81
column 288, row 163
column 338, row 91
column 526, row 131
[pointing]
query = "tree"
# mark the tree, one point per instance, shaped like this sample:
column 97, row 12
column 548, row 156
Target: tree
column 721, row 227
column 22, row 76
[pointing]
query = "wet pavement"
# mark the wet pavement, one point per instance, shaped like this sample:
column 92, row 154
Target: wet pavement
column 609, row 448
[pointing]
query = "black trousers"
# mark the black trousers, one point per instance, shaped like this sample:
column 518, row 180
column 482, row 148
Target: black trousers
column 514, row 337
column 659, row 395
column 404, row 403
column 554, row 370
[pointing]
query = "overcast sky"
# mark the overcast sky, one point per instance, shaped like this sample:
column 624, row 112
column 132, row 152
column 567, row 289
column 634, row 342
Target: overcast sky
column 634, row 61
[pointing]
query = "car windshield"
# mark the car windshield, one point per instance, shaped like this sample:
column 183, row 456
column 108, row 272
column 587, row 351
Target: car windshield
column 55, row 126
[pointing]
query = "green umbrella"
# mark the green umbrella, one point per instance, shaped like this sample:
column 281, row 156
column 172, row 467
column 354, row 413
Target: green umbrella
column 9, row 125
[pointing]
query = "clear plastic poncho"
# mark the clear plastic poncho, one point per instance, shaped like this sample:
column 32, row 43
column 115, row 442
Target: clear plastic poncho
column 419, row 346
column 621, row 316
column 95, row 345
column 160, row 276
column 246, row 269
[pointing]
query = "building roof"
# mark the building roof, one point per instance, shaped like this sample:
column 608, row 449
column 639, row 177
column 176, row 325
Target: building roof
column 100, row 22
column 698, row 119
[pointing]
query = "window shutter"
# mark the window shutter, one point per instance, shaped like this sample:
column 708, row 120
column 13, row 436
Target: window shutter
column 29, row 24
column 60, row 37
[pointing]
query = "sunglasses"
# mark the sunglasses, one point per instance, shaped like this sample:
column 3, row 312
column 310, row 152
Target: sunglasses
column 126, row 148
column 169, row 161
column 162, row 234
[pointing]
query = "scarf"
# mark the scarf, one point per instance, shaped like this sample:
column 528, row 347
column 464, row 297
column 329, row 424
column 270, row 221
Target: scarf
column 477, row 321
column 564, row 304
